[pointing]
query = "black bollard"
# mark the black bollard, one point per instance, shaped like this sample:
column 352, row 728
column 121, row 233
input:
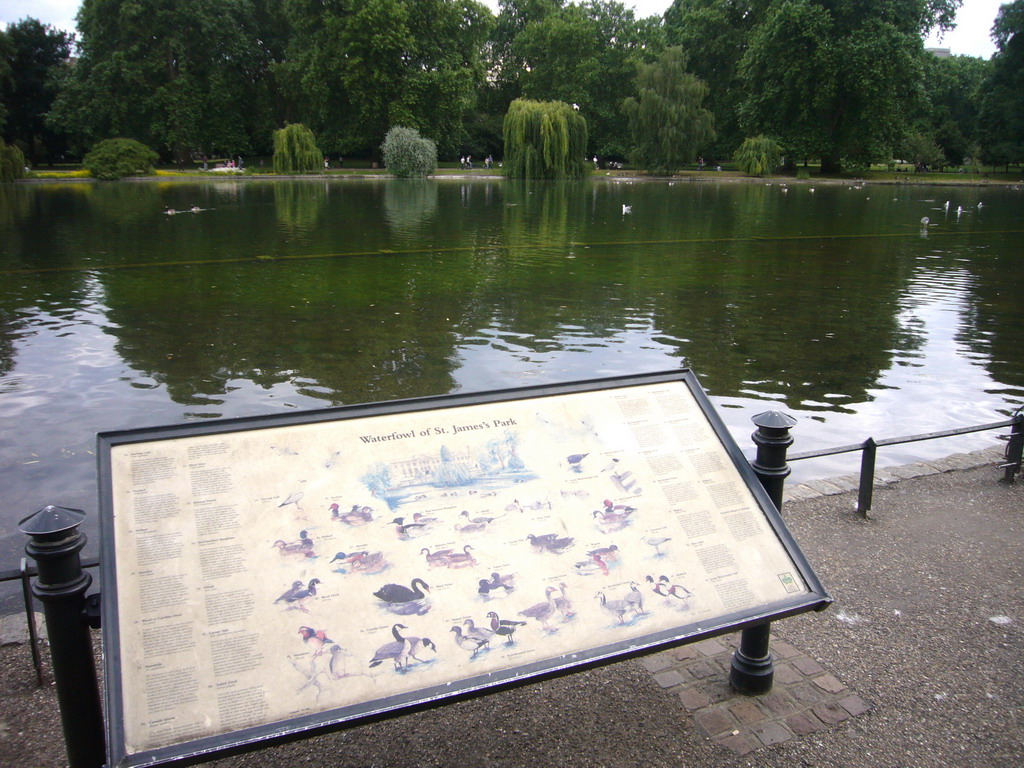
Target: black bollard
column 61, row 585
column 753, row 670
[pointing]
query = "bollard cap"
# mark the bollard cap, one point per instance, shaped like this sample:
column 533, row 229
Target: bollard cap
column 51, row 520
column 773, row 420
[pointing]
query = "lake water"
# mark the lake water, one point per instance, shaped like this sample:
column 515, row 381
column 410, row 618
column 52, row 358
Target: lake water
column 830, row 303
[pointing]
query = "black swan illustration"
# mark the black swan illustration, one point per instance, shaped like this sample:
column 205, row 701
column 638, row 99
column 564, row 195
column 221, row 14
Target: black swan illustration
column 396, row 593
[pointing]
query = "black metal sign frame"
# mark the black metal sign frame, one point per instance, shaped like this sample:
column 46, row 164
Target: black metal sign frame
column 116, row 636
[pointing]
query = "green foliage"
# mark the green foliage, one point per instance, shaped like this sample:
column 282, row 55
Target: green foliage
column 295, row 150
column 408, row 154
column 1002, row 110
column 12, row 163
column 921, row 149
column 716, row 33
column 544, row 140
column 117, row 158
column 667, row 121
column 758, row 156
column 836, row 80
column 37, row 54
column 184, row 76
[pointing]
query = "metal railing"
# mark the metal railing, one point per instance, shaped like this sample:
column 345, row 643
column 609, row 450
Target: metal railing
column 869, row 448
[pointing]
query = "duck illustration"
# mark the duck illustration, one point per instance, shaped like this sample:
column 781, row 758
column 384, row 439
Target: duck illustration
column 298, row 599
column 504, row 627
column 440, row 558
column 461, row 559
column 407, row 530
column 356, row 516
column 496, row 582
column 677, row 591
column 397, row 593
column 542, row 612
column 551, row 542
column 315, row 639
column 299, row 549
column 364, row 561
column 296, row 586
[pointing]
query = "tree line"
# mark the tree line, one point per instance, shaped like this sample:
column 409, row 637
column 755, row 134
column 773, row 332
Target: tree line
column 843, row 82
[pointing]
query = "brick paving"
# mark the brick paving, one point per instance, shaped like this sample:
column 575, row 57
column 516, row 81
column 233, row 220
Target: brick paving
column 805, row 697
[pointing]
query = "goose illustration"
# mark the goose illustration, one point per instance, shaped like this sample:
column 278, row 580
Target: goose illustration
column 467, row 642
column 542, row 612
column 504, row 627
column 397, row 593
column 402, row 649
column 617, row 608
column 472, row 630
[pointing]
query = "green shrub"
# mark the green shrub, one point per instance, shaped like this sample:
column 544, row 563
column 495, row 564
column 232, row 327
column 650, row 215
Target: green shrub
column 12, row 162
column 117, row 158
column 758, row 156
column 295, row 150
column 406, row 153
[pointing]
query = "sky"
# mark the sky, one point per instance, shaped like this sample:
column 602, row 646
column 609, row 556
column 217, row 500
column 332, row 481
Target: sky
column 970, row 38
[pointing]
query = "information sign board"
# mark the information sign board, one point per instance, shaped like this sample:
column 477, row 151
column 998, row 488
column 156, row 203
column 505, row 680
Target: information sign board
column 271, row 577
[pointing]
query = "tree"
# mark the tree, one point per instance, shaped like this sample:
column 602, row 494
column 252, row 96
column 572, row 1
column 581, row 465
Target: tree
column 758, row 156
column 952, row 99
column 715, row 34
column 587, row 55
column 357, row 67
column 184, row 76
column 295, row 150
column 406, row 153
column 836, row 80
column 116, row 158
column 12, row 163
column 1002, row 109
column 667, row 121
column 35, row 54
column 544, row 140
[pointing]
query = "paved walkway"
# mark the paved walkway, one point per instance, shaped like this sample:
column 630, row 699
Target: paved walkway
column 918, row 661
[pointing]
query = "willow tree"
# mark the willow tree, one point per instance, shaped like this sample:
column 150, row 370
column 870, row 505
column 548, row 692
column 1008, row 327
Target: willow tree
column 667, row 121
column 758, row 156
column 295, row 150
column 544, row 140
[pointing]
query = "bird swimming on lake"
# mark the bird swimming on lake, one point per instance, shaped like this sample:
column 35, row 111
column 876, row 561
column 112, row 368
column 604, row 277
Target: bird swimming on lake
column 626, row 209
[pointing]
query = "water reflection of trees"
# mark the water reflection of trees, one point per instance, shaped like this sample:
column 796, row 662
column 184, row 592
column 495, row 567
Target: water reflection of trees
column 699, row 268
column 410, row 205
column 299, row 204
